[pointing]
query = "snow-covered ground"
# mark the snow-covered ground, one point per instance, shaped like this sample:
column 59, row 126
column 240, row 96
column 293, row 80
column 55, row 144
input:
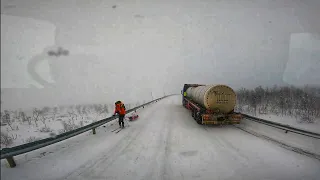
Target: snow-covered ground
column 291, row 121
column 64, row 120
column 164, row 143
column 294, row 141
column 313, row 126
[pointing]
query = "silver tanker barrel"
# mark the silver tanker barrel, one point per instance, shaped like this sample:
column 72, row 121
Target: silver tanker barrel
column 220, row 98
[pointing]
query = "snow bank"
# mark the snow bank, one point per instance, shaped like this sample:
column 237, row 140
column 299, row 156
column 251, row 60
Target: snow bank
column 287, row 120
column 294, row 140
column 23, row 132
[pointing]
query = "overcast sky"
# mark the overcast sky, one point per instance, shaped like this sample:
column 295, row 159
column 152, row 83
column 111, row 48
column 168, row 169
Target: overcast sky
column 126, row 50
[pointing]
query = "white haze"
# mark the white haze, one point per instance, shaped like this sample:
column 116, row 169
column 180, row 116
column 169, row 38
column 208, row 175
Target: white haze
column 139, row 50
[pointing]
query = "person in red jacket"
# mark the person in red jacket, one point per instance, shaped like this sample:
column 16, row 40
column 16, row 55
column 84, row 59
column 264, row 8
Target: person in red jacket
column 120, row 109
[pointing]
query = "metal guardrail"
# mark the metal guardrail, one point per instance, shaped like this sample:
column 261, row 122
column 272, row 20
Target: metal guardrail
column 8, row 153
column 284, row 127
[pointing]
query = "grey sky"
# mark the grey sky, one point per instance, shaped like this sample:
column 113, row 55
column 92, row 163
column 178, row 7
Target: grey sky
column 144, row 46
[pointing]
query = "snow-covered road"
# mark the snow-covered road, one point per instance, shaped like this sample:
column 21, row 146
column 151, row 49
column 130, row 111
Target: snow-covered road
column 164, row 143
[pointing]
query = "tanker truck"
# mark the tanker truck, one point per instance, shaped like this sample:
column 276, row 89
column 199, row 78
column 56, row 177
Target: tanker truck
column 210, row 104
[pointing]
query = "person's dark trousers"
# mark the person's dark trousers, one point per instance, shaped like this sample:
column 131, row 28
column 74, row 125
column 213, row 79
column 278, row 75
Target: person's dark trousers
column 121, row 123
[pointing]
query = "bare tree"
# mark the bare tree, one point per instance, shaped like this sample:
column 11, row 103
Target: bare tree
column 79, row 110
column 81, row 124
column 43, row 113
column 29, row 119
column 36, row 113
column 96, row 108
column 84, row 111
column 6, row 118
column 105, row 108
column 45, row 110
column 24, row 117
column 54, row 113
column 16, row 115
column 72, row 116
column 43, row 119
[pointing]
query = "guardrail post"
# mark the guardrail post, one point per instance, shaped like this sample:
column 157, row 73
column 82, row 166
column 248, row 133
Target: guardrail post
column 94, row 130
column 11, row 162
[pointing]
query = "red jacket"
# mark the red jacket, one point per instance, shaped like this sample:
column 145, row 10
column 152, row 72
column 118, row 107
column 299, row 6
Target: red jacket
column 120, row 109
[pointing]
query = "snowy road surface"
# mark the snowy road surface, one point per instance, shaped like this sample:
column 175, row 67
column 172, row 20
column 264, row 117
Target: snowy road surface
column 165, row 143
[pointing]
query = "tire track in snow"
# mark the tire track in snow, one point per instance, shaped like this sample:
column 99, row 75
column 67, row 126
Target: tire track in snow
column 282, row 144
column 113, row 153
column 159, row 163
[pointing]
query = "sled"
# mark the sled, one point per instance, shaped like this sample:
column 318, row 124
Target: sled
column 133, row 117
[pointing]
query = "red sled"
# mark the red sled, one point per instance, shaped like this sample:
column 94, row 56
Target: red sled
column 133, row 117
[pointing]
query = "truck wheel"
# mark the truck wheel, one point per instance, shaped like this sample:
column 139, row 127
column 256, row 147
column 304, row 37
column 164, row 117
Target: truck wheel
column 195, row 116
column 198, row 118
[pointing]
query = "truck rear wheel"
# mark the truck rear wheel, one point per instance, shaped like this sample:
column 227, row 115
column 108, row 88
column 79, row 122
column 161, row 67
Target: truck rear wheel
column 198, row 118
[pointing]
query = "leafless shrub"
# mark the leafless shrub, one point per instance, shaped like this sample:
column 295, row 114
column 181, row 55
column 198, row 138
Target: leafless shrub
column 98, row 109
column 16, row 114
column 81, row 124
column 25, row 118
column 45, row 129
column 7, row 140
column 29, row 119
column 61, row 131
column 62, row 116
column 84, row 111
column 301, row 103
column 54, row 113
column 52, row 134
column 45, row 110
column 68, row 126
column 80, row 111
column 72, row 116
column 36, row 113
column 6, row 118
column 105, row 109
column 31, row 139
column 43, row 119
column 22, row 116
column 307, row 119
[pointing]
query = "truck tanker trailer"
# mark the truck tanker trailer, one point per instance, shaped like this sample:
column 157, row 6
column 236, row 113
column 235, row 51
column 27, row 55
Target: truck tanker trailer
column 211, row 104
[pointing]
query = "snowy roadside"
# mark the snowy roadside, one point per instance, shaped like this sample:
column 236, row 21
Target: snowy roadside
column 20, row 127
column 313, row 126
column 298, row 107
column 287, row 120
column 296, row 142
column 60, row 159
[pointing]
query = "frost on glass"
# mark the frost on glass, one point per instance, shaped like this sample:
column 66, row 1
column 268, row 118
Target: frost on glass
column 23, row 39
column 304, row 60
